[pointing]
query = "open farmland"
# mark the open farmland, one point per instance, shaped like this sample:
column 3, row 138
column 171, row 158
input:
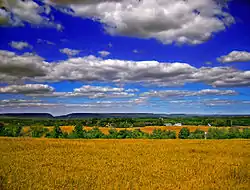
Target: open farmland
column 147, row 129
column 28, row 163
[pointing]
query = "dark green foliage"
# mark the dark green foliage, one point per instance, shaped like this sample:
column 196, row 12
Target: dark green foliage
column 138, row 134
column 216, row 133
column 1, row 129
column 94, row 133
column 38, row 131
column 124, row 134
column 234, row 133
column 163, row 134
column 113, row 133
column 131, row 122
column 78, row 132
column 124, row 124
column 246, row 133
column 197, row 134
column 184, row 133
column 56, row 133
column 11, row 130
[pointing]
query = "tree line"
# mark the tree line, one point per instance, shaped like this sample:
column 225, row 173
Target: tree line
column 131, row 122
column 96, row 133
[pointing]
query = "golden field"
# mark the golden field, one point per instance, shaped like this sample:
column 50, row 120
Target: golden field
column 29, row 163
column 147, row 129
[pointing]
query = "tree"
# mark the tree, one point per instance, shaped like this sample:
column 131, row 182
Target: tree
column 246, row 133
column 217, row 133
column 197, row 134
column 113, row 133
column 78, row 131
column 1, row 129
column 234, row 133
column 184, row 133
column 56, row 133
column 38, row 131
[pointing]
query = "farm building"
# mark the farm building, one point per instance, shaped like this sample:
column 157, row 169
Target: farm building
column 178, row 124
column 168, row 124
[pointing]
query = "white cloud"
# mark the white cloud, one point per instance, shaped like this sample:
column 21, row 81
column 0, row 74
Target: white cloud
column 70, row 52
column 97, row 89
column 20, row 45
column 104, row 53
column 40, row 41
column 89, row 92
column 168, row 21
column 16, row 68
column 20, row 12
column 235, row 56
column 30, row 67
column 26, row 89
column 186, row 93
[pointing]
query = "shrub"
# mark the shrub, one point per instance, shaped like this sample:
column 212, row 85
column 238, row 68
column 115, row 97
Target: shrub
column 94, row 133
column 184, row 133
column 234, row 133
column 56, row 133
column 38, row 131
column 163, row 134
column 11, row 130
column 246, row 133
column 78, row 132
column 113, row 133
column 197, row 134
column 216, row 133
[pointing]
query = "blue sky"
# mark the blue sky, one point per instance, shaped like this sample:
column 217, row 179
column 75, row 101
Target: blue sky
column 125, row 56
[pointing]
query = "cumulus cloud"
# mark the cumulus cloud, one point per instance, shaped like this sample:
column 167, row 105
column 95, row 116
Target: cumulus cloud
column 30, row 67
column 15, row 67
column 20, row 45
column 70, row 52
column 170, row 21
column 185, row 93
column 97, row 89
column 235, row 56
column 104, row 53
column 19, row 12
column 90, row 92
column 26, row 89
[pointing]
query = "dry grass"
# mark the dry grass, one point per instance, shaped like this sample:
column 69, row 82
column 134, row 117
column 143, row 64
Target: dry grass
column 27, row 163
column 147, row 129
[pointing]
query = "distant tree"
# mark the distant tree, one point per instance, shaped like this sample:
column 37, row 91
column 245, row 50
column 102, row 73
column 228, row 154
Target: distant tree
column 217, row 133
column 38, row 131
column 113, row 133
column 184, row 133
column 2, row 129
column 56, row 133
column 95, row 133
column 197, row 134
column 233, row 133
column 78, row 131
column 246, row 133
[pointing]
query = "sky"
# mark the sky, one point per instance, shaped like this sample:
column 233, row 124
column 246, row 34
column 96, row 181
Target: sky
column 115, row 56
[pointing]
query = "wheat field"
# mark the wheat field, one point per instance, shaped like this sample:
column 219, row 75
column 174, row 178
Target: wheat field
column 29, row 163
column 147, row 129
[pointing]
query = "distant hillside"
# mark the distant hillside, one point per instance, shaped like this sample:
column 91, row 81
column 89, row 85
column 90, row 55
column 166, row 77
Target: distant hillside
column 28, row 115
column 109, row 115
